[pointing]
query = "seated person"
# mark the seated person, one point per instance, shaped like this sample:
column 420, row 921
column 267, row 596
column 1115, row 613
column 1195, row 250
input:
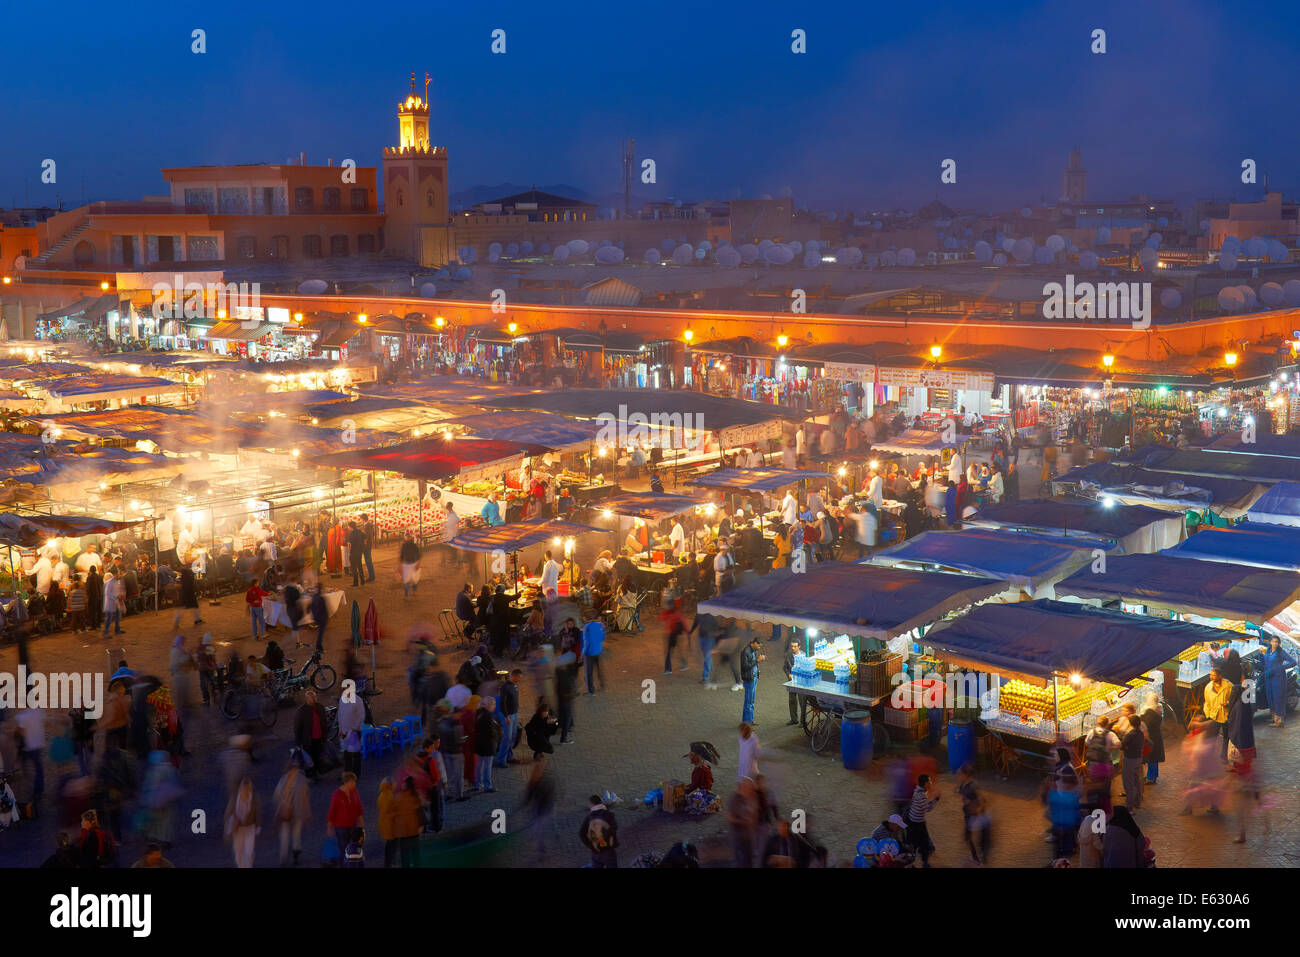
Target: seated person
column 274, row 656
column 225, row 565
column 629, row 616
column 255, row 673
column 701, row 775
column 602, row 590
column 624, row 568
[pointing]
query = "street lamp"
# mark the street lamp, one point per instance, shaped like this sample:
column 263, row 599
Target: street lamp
column 688, row 335
column 1230, row 359
column 783, row 340
column 936, row 351
column 513, row 327
column 1108, row 360
column 103, row 286
column 439, row 322
column 362, row 318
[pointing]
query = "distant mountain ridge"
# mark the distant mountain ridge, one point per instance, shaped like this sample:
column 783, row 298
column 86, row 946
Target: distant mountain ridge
column 472, row 196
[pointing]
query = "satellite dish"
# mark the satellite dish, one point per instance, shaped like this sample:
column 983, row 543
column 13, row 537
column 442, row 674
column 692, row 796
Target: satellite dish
column 1171, row 298
column 651, row 257
column 1088, row 260
column 749, row 253
column 20, row 262
column 700, row 254
column 1278, row 253
column 442, row 274
column 428, row 290
column 889, row 258
column 850, row 256
column 1008, row 244
column 463, row 273
column 1043, row 256
column 1227, row 259
column 561, row 253
column 1026, row 212
column 1148, row 257
column 683, row 255
column 578, row 247
column 1055, row 243
column 1291, row 292
column 604, row 243
column 467, row 254
column 1103, row 235
column 1249, row 297
column 495, row 248
column 1162, row 222
column 1271, row 294
column 544, row 249
column 526, row 248
column 1231, row 299
column 813, row 245
column 667, row 247
column 777, row 254
column 609, row 255
column 1000, row 259
column 1154, row 241
column 494, row 256
column 812, row 259
column 728, row 256
column 313, row 287
column 764, row 243
column 1023, row 249
column 1256, row 248
column 796, row 247
column 907, row 256
column 983, row 251
column 1230, row 244
column 512, row 250
column 705, row 245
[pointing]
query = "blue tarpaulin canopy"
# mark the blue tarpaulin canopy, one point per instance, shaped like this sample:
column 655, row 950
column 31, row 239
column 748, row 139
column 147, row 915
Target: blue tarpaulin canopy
column 33, row 531
column 533, row 428
column 513, row 538
column 649, row 505
column 1134, row 528
column 918, row 442
column 1042, row 638
column 1208, row 589
column 666, row 408
column 865, row 601
column 1264, row 546
column 1286, row 446
column 754, row 480
column 1280, row 505
column 1244, row 465
column 1143, row 486
column 1027, row 561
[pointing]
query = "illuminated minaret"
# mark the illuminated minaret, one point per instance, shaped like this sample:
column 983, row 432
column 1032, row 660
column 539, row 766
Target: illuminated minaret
column 1076, row 179
column 416, row 203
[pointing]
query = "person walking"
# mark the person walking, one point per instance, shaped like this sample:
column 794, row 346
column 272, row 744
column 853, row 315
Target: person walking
column 113, row 604
column 539, row 730
column 253, row 598
column 748, row 751
column 320, row 616
column 451, row 744
column 346, row 816
column 599, row 834
column 371, row 534
column 742, row 816
column 1152, row 721
column 309, row 732
column 798, row 703
column 404, row 816
column 1132, row 740
column 292, row 803
column 1276, row 683
column 487, row 742
column 749, row 660
column 566, row 690
column 409, row 557
column 351, row 716
column 189, row 598
column 450, row 530
column 77, row 603
column 706, row 627
column 356, row 554
column 593, row 644
column 508, row 715
column 243, row 823
column 924, row 798
column 1217, row 699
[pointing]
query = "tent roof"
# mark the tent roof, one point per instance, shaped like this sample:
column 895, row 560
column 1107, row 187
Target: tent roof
column 754, row 480
column 1042, row 638
column 1280, row 505
column 434, row 458
column 1024, row 560
column 1209, row 589
column 1249, row 543
column 1260, row 468
column 649, row 505
column 1163, row 486
column 31, row 531
column 448, row 390
column 82, row 387
column 710, row 411
column 519, row 535
column 917, row 442
column 1114, row 521
column 864, row 600
column 531, row 428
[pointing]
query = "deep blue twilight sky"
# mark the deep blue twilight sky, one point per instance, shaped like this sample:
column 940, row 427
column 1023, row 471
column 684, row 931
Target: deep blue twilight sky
column 710, row 90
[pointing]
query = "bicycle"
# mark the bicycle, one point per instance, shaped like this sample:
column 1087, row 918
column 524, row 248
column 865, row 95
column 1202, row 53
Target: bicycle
column 246, row 701
column 285, row 683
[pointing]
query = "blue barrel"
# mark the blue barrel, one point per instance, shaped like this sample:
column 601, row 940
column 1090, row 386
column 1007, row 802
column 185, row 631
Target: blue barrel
column 961, row 745
column 856, row 742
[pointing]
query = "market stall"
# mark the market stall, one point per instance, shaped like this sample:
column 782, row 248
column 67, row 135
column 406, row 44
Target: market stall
column 1247, row 543
column 1059, row 666
column 1135, row 529
column 275, row 607
column 1129, row 485
column 1025, row 562
column 887, row 607
column 507, row 541
column 1235, row 598
column 1280, row 505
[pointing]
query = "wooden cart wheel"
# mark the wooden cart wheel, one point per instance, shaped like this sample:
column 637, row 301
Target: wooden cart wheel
column 821, row 739
column 1192, row 706
column 818, row 719
column 810, row 708
column 1004, row 757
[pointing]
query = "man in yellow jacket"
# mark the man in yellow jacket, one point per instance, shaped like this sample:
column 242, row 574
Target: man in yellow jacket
column 1218, row 695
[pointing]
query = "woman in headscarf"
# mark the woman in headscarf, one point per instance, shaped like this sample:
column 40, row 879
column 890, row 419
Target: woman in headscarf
column 1123, row 845
column 1241, row 727
column 1276, row 663
column 161, row 790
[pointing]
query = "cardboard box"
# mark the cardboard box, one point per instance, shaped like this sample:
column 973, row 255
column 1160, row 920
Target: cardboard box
column 674, row 795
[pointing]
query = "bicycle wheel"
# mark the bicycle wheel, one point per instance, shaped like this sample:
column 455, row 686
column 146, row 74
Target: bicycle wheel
column 231, row 704
column 323, row 678
column 822, row 737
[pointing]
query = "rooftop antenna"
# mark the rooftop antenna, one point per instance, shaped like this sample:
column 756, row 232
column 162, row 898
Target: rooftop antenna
column 629, row 157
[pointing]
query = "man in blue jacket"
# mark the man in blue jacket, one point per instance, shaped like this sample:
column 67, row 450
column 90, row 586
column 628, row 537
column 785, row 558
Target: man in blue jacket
column 491, row 512
column 593, row 642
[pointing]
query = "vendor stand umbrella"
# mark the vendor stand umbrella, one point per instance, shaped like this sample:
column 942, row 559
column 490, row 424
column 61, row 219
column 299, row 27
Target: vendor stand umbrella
column 356, row 624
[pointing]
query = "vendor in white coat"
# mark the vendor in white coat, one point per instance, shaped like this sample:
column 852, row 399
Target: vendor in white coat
column 954, row 468
column 789, row 508
column 677, row 537
column 876, row 488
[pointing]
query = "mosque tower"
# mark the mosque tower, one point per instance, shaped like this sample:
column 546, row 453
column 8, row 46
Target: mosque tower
column 416, row 202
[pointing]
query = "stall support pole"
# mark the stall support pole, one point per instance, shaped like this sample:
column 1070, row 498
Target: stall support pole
column 155, row 563
column 1056, row 713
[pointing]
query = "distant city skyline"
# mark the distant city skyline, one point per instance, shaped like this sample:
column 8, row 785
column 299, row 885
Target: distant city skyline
column 861, row 121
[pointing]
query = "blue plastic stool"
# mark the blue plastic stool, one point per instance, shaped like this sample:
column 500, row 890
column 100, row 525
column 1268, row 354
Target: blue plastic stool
column 400, row 734
column 415, row 724
column 374, row 741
